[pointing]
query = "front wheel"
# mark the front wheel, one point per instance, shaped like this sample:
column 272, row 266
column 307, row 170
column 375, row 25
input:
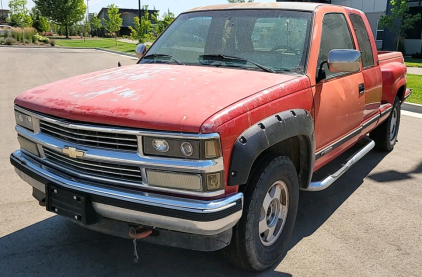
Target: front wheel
column 271, row 199
column 385, row 135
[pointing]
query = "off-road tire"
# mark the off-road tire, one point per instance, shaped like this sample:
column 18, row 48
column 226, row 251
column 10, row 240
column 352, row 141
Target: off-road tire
column 385, row 135
column 247, row 249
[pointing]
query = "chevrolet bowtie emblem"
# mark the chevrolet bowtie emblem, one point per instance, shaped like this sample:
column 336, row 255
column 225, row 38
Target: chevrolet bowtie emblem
column 73, row 152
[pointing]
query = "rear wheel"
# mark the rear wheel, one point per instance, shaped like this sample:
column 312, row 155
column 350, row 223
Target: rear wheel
column 271, row 199
column 385, row 135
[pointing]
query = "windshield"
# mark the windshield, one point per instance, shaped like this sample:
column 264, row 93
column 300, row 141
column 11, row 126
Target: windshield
column 269, row 40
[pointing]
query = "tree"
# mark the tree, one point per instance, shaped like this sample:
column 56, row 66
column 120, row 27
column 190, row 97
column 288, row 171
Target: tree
column 35, row 15
column 57, row 29
column 39, row 22
column 62, row 12
column 163, row 23
column 19, row 14
column 86, row 28
column 238, row 1
column 143, row 28
column 96, row 23
column 399, row 20
column 44, row 24
column 114, row 21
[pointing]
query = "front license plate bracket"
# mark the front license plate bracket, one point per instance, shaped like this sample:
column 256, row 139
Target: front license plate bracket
column 70, row 204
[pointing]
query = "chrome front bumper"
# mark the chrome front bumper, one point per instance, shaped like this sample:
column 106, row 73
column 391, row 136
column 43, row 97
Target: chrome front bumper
column 153, row 210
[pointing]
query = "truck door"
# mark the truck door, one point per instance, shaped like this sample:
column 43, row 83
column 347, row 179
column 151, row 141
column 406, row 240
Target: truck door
column 370, row 71
column 338, row 100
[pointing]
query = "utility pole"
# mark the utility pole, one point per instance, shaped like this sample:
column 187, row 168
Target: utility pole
column 89, row 22
column 1, row 1
column 87, row 8
column 139, row 9
column 140, row 16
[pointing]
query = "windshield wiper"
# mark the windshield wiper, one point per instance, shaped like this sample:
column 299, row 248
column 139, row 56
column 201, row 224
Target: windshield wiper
column 164, row 56
column 225, row 58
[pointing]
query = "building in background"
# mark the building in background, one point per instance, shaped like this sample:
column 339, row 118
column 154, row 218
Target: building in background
column 413, row 42
column 374, row 9
column 4, row 14
column 127, row 15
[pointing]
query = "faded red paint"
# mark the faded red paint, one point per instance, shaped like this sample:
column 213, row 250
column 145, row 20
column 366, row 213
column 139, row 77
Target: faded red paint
column 233, row 128
column 229, row 101
column 264, row 97
column 149, row 96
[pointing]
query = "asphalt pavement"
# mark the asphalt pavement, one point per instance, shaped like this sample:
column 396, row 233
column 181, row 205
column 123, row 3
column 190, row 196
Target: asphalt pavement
column 369, row 223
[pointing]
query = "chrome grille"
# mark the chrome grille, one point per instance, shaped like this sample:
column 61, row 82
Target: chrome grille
column 113, row 141
column 114, row 172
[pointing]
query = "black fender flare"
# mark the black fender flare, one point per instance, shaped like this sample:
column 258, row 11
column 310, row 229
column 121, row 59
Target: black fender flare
column 266, row 133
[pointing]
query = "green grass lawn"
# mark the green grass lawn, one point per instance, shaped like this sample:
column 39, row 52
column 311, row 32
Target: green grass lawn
column 415, row 82
column 410, row 62
column 106, row 43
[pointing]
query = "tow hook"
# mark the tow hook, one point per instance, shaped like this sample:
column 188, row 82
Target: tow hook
column 138, row 232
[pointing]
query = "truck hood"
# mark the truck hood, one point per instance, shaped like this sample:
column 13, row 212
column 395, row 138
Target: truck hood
column 149, row 96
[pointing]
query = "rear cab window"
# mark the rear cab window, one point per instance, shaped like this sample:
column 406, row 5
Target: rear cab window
column 363, row 40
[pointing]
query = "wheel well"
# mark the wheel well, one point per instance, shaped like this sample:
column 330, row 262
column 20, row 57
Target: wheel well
column 400, row 93
column 296, row 149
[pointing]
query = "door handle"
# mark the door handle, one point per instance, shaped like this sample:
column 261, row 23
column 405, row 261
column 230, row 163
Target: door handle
column 361, row 88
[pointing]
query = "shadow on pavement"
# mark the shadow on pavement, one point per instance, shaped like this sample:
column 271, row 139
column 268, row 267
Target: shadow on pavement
column 316, row 207
column 394, row 176
column 57, row 247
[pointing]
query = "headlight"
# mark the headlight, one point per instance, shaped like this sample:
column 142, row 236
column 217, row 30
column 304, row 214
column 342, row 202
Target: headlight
column 160, row 145
column 175, row 148
column 24, row 120
column 180, row 148
column 187, row 149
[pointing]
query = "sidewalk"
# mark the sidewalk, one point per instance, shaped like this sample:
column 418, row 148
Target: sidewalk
column 135, row 41
column 128, row 40
column 412, row 108
column 414, row 70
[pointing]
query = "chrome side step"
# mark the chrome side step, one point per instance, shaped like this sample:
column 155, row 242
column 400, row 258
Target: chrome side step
column 329, row 180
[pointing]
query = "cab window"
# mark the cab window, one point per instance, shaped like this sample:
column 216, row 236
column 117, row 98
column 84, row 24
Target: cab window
column 335, row 34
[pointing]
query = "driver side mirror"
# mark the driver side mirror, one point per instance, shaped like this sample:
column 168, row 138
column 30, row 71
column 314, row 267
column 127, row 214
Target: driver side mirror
column 140, row 50
column 344, row 60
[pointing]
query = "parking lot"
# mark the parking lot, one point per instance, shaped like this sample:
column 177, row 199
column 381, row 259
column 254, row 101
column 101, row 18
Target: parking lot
column 369, row 223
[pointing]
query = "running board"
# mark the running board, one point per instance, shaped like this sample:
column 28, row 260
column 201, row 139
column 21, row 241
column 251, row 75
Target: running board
column 329, row 180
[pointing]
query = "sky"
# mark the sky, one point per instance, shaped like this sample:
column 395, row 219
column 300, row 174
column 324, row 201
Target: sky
column 175, row 6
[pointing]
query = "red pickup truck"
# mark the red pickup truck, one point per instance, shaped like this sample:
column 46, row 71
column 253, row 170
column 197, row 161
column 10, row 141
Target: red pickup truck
column 206, row 141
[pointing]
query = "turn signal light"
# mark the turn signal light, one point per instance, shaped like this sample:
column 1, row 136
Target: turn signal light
column 214, row 181
column 212, row 149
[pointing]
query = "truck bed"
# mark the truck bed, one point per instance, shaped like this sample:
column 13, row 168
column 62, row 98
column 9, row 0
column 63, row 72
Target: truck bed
column 390, row 56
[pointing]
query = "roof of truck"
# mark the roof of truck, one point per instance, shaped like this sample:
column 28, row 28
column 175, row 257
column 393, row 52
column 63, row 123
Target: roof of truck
column 253, row 5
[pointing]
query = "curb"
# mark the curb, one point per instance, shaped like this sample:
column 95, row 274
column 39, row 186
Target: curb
column 47, row 47
column 114, row 52
column 20, row 46
column 410, row 107
column 72, row 48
